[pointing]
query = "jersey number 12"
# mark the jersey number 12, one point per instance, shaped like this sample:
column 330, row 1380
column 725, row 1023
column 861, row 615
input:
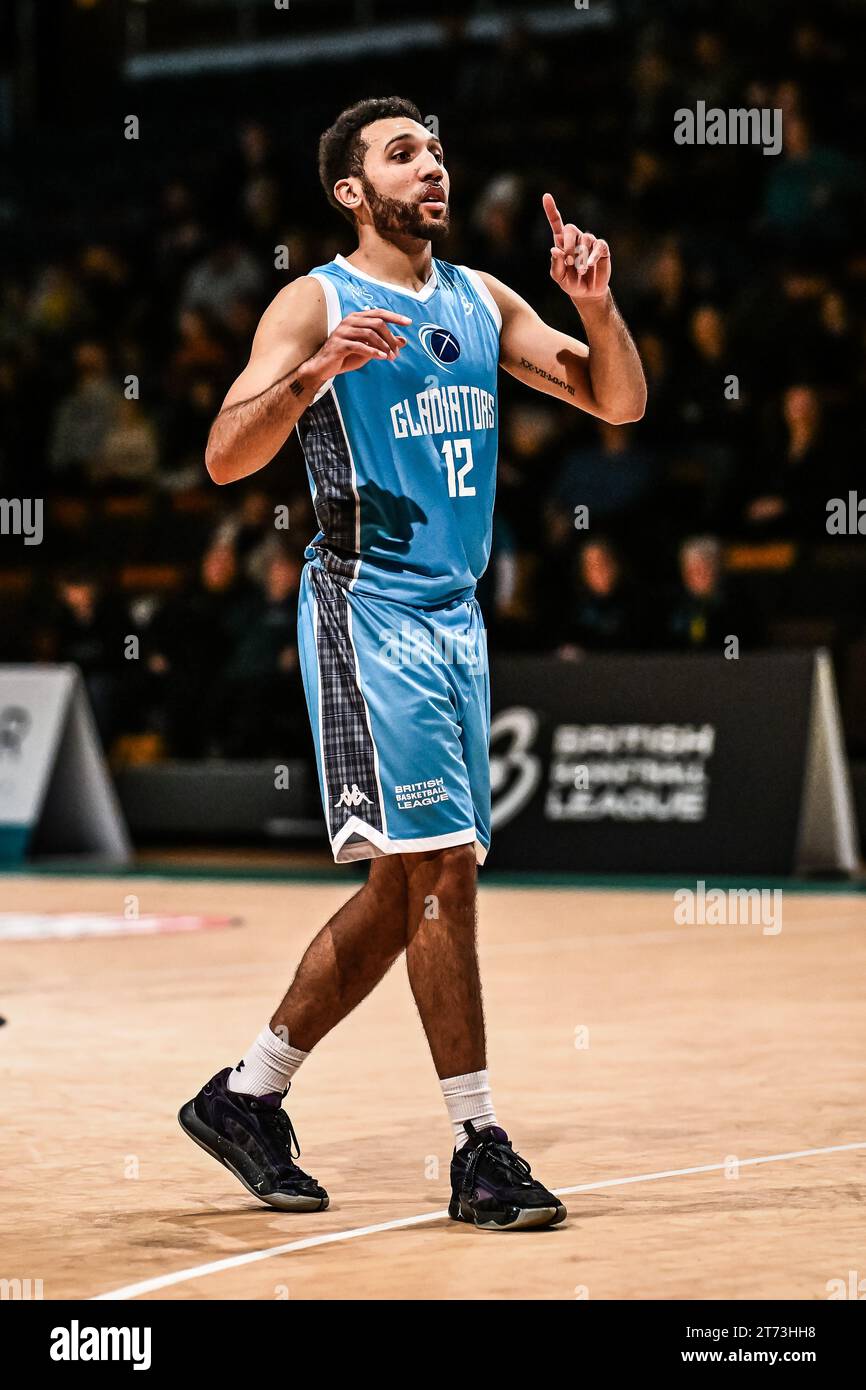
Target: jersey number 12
column 459, row 448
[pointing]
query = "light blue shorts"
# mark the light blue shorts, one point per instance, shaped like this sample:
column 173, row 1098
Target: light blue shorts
column 399, row 703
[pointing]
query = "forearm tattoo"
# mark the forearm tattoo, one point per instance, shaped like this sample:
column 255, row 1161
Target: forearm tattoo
column 539, row 371
column 263, row 400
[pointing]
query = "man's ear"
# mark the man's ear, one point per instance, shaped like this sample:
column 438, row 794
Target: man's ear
column 348, row 193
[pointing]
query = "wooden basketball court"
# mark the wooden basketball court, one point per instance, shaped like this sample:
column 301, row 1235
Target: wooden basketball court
column 696, row 1091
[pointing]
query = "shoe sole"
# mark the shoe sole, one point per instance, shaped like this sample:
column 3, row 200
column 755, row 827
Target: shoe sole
column 211, row 1142
column 526, row 1217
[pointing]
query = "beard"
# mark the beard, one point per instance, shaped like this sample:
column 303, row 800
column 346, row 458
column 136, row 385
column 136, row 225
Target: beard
column 393, row 217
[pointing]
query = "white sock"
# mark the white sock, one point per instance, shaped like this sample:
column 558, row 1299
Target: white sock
column 268, row 1066
column 468, row 1098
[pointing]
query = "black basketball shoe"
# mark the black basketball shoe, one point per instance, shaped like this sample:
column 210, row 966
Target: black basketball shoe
column 491, row 1186
column 252, row 1136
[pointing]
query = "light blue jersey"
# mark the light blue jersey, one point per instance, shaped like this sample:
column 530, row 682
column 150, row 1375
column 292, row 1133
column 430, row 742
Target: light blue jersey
column 401, row 456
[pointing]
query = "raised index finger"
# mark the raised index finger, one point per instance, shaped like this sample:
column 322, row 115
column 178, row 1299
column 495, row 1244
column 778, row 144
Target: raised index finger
column 549, row 204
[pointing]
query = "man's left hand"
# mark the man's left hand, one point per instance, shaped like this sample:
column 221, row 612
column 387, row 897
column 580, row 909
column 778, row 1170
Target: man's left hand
column 579, row 261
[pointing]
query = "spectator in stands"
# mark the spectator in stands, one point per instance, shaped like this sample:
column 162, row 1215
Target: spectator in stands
column 528, row 453
column 712, row 74
column 664, row 305
column 85, row 416
column 129, row 449
column 179, row 237
column 258, row 707
column 655, row 94
column 600, row 613
column 228, row 273
column 610, row 478
column 495, row 220
column 802, row 470
column 103, row 280
column 648, row 181
column 189, row 643
column 250, row 531
column 812, row 191
column 708, row 435
column 55, row 304
column 700, row 616
column 86, row 627
column 199, row 351
column 820, row 58
column 260, row 199
column 706, row 416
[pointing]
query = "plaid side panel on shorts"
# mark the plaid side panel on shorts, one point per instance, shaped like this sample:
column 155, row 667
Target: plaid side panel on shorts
column 326, row 451
column 347, row 746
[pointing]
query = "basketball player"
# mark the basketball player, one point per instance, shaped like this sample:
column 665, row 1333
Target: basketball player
column 386, row 363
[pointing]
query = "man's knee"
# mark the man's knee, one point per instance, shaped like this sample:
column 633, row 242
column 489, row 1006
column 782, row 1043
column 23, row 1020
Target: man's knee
column 453, row 867
column 387, row 869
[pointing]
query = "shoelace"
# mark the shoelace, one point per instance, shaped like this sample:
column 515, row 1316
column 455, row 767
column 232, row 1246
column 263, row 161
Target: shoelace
column 279, row 1126
column 513, row 1164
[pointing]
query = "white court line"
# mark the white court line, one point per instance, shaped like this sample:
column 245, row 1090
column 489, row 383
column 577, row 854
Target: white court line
column 164, row 1281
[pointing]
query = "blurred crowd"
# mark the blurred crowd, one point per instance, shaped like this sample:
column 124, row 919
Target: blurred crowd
column 741, row 275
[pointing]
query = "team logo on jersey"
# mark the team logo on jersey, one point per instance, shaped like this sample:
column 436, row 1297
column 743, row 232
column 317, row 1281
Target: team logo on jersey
column 352, row 798
column 439, row 343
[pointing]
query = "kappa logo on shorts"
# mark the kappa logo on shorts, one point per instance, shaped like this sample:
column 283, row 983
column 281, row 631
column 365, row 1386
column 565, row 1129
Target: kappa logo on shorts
column 352, row 798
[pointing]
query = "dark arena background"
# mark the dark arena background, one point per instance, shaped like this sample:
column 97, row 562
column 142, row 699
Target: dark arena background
column 671, row 916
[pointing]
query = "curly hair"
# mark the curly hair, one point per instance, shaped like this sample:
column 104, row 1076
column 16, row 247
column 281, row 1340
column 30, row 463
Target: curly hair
column 342, row 146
